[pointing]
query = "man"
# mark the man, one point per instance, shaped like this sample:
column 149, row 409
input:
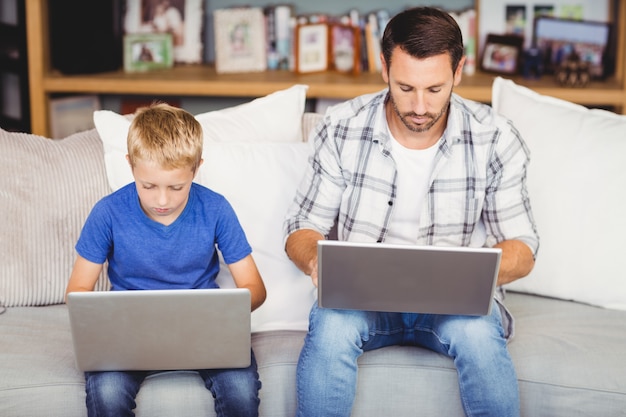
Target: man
column 414, row 164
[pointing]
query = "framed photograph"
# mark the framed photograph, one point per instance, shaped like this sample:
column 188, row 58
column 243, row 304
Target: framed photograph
column 148, row 52
column 312, row 43
column 69, row 115
column 345, row 45
column 508, row 17
column 502, row 54
column 515, row 20
column 182, row 19
column 240, row 40
column 561, row 39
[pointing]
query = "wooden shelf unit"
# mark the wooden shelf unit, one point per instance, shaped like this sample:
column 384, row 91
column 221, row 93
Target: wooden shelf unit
column 202, row 80
column 14, row 63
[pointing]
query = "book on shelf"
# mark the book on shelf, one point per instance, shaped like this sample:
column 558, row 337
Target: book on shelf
column 275, row 26
column 372, row 39
column 279, row 23
column 466, row 19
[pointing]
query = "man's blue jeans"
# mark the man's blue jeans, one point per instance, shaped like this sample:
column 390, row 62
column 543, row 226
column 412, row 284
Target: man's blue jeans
column 327, row 369
column 235, row 391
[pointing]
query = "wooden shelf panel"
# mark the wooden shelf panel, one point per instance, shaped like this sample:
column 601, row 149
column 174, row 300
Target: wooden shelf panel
column 202, row 80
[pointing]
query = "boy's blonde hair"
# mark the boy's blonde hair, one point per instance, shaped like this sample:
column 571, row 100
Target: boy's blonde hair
column 166, row 135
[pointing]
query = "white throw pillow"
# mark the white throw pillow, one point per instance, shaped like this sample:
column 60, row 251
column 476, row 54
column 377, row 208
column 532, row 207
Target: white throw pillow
column 577, row 187
column 260, row 181
column 276, row 117
column 113, row 130
column 273, row 118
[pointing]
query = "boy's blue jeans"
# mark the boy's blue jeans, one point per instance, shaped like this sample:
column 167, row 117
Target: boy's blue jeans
column 327, row 369
column 235, row 391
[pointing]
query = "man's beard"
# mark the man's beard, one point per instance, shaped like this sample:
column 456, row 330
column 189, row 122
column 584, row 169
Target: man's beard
column 405, row 117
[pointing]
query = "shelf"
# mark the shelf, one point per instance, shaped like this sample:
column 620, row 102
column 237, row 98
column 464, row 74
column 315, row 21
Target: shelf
column 202, row 80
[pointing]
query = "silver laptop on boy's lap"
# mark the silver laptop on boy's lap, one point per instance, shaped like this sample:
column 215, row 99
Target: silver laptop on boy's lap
column 406, row 278
column 160, row 329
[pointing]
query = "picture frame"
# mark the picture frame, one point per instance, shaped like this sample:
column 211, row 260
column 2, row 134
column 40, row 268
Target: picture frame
column 147, row 52
column 502, row 54
column 558, row 39
column 493, row 15
column 312, row 47
column 345, row 48
column 240, row 40
column 182, row 19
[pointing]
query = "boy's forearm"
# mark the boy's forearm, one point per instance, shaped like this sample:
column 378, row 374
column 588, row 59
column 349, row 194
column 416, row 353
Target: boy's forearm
column 257, row 297
column 84, row 276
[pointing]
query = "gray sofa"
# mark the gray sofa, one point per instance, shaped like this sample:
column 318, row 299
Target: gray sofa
column 569, row 355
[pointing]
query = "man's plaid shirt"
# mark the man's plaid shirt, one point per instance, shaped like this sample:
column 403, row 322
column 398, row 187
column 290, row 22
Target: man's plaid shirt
column 477, row 193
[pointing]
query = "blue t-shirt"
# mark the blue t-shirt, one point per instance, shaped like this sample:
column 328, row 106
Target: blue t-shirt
column 144, row 254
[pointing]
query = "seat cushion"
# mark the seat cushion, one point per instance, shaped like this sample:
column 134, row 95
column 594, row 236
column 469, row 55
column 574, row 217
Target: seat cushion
column 568, row 356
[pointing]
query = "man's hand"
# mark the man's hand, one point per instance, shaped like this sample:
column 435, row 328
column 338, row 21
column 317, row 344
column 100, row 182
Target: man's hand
column 313, row 273
column 301, row 247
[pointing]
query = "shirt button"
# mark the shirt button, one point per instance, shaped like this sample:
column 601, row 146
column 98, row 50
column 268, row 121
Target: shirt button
column 390, row 203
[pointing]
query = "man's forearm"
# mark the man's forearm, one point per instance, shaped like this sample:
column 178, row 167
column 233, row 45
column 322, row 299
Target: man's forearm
column 517, row 261
column 301, row 247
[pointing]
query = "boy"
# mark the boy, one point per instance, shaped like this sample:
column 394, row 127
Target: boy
column 161, row 232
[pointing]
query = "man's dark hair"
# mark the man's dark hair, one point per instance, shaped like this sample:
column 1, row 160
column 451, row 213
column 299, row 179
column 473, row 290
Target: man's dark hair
column 423, row 32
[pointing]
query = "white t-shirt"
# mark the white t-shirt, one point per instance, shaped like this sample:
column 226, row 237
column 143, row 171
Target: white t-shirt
column 414, row 169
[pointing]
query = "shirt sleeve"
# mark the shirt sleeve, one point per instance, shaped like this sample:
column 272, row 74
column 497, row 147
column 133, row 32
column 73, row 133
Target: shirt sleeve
column 95, row 241
column 507, row 212
column 230, row 237
column 318, row 196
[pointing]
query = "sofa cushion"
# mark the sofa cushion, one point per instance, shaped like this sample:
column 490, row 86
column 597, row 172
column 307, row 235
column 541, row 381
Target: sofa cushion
column 276, row 117
column 273, row 118
column 48, row 188
column 260, row 181
column 576, row 183
column 569, row 364
column 568, row 356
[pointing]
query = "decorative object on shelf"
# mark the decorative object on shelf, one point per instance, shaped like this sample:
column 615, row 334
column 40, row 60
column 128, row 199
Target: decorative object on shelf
column 311, row 47
column 502, row 54
column 69, row 115
column 558, row 38
column 182, row 19
column 508, row 17
column 532, row 63
column 84, row 37
column 240, row 44
column 129, row 105
column 345, row 45
column 573, row 72
column 146, row 52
